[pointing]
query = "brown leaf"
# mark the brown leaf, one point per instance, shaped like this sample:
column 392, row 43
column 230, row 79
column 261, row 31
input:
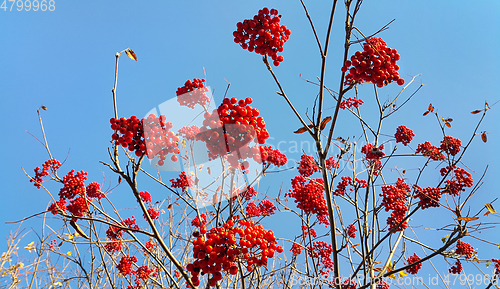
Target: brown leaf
column 303, row 129
column 44, row 107
column 130, row 53
column 448, row 124
column 477, row 111
column 431, row 108
column 467, row 219
column 490, row 208
column 483, row 137
column 119, row 179
column 209, row 171
column 426, row 113
column 169, row 207
column 324, row 122
column 354, row 246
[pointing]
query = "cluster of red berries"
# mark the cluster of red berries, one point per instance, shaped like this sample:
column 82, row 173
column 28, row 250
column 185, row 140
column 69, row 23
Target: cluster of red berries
column 182, row 182
column 307, row 166
column 462, row 179
column 431, row 151
column 272, row 156
column 141, row 274
column 342, row 185
column 248, row 193
column 221, row 250
column 348, row 284
column 192, row 93
column 309, row 197
column 451, row 145
column 457, row 268
column 263, row 34
column 373, row 155
column 414, row 259
column 265, row 208
column 382, row 285
column 296, row 249
column 189, row 132
column 394, row 199
column 404, row 135
column 115, row 234
column 230, row 128
column 497, row 265
column 308, row 231
column 39, row 175
column 351, row 231
column 464, row 249
column 322, row 251
column 376, row 64
column 150, row 136
column 153, row 213
column 429, row 197
column 351, row 102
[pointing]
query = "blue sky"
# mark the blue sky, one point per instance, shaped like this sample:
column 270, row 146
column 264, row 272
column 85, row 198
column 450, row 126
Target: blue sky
column 64, row 60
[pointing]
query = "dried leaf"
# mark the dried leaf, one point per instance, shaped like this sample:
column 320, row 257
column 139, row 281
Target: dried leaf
column 354, row 246
column 483, row 137
column 169, row 207
column 208, row 170
column 324, row 122
column 431, row 108
column 44, row 107
column 377, row 269
column 490, row 208
column 119, row 179
column 200, row 167
column 130, row 53
column 426, row 113
column 78, row 229
column 477, row 111
column 183, row 142
column 448, row 124
column 303, row 129
column 176, row 203
column 404, row 172
column 467, row 219
column 402, row 274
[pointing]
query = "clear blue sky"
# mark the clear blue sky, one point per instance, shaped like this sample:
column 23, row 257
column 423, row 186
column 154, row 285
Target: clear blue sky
column 64, row 60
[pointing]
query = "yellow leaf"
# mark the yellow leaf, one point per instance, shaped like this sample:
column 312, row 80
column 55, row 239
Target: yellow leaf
column 490, row 208
column 131, row 54
column 392, row 276
column 402, row 274
column 30, row 247
column 69, row 253
column 44, row 107
column 183, row 142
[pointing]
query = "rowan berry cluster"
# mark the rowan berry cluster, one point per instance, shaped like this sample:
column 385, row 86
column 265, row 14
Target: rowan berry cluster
column 464, row 249
column 382, row 285
column 115, row 234
column 451, row 145
column 462, row 179
column 189, row 132
column 192, row 93
column 457, row 268
column 348, row 284
column 150, row 136
column 375, row 64
column 145, row 196
column 404, row 135
column 230, row 128
column 196, row 221
column 322, row 251
column 497, row 265
column 272, row 156
column 429, row 197
column 307, row 166
column 351, row 231
column 351, row 102
column 414, row 259
column 394, row 198
column 182, row 182
column 141, row 274
column 153, row 213
column 431, row 151
column 296, row 249
column 373, row 155
column 39, row 175
column 263, row 34
column 221, row 250
column 248, row 193
column 308, row 231
column 309, row 197
column 342, row 185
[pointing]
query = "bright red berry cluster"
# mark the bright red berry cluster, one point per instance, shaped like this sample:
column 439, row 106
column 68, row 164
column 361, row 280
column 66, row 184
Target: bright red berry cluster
column 382, row 285
column 404, row 135
column 248, row 193
column 322, row 251
column 431, row 151
column 272, row 156
column 376, row 64
column 125, row 265
column 342, row 185
column 351, row 231
column 462, row 179
column 307, row 166
column 451, row 145
column 182, row 182
column 414, row 259
column 309, row 197
column 114, row 235
column 150, row 136
column 429, row 197
column 230, row 128
column 141, row 274
column 221, row 250
column 196, row 221
column 192, row 93
column 497, row 266
column 153, row 213
column 464, row 249
column 263, row 34
column 265, row 208
column 39, row 175
column 351, row 102
column 373, row 155
column 394, row 198
column 457, row 268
